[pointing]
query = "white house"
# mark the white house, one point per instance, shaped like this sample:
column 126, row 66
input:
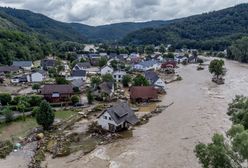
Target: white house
column 147, row 65
column 106, row 70
column 118, row 117
column 118, row 75
column 37, row 77
column 155, row 80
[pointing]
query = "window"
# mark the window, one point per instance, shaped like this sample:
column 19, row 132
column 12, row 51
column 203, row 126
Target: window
column 110, row 118
column 119, row 76
column 105, row 117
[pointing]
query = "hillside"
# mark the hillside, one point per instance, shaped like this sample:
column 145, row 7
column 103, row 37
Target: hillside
column 214, row 30
column 114, row 32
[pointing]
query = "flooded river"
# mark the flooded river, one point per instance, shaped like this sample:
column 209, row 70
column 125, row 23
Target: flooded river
column 168, row 140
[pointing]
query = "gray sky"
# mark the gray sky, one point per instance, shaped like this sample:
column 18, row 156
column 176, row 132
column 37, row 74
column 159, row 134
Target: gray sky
column 98, row 12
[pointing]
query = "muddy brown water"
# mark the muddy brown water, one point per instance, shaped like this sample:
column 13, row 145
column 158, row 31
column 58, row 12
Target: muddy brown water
column 168, row 140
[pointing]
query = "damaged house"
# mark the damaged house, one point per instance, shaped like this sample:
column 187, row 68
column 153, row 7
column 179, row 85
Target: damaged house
column 118, row 117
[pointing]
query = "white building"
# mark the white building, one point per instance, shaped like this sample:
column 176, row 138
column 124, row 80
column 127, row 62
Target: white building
column 37, row 77
column 147, row 65
column 117, row 117
column 106, row 70
column 155, row 80
column 118, row 75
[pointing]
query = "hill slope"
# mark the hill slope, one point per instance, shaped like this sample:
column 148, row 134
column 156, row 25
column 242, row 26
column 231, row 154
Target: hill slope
column 210, row 30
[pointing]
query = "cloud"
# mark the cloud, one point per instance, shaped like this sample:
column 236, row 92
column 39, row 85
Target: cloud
column 98, row 12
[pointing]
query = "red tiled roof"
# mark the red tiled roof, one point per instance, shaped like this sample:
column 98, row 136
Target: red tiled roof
column 169, row 64
column 144, row 92
column 62, row 89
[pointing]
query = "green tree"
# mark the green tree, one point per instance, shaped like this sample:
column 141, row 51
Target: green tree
column 102, row 62
column 114, row 64
column 140, row 80
column 61, row 81
column 90, row 97
column 126, row 80
column 45, row 116
column 149, row 49
column 36, row 87
column 5, row 98
column 162, row 48
column 8, row 114
column 216, row 67
column 75, row 99
column 107, row 78
column 22, row 105
column 238, row 50
column 95, row 81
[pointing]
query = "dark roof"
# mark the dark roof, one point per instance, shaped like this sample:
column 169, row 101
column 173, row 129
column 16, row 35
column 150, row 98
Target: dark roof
column 121, row 112
column 169, row 63
column 77, row 83
column 78, row 73
column 22, row 63
column 62, row 89
column 106, row 87
column 48, row 63
column 151, row 76
column 143, row 92
column 83, row 65
column 7, row 69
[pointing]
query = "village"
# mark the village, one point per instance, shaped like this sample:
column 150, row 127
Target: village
column 94, row 98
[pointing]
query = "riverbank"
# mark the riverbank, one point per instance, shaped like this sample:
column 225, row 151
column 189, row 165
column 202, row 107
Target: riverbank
column 168, row 140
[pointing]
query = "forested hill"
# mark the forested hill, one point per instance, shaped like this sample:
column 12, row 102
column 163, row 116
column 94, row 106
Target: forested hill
column 214, row 30
column 114, row 32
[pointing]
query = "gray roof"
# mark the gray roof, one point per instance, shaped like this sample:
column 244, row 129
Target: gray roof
column 83, row 65
column 148, row 63
column 48, row 63
column 106, row 87
column 151, row 76
column 22, row 63
column 121, row 112
column 78, row 73
column 77, row 83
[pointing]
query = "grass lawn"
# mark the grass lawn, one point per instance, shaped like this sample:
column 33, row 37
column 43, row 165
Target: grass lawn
column 63, row 115
column 16, row 129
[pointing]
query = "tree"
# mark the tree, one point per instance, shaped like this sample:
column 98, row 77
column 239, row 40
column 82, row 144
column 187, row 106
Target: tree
column 95, row 81
column 114, row 64
column 149, row 49
column 140, row 80
column 107, row 78
column 5, row 98
column 238, row 50
column 36, row 87
column 8, row 114
column 34, row 100
column 45, row 116
column 162, row 48
column 126, row 80
column 22, row 105
column 61, row 81
column 102, row 62
column 75, row 100
column 90, row 97
column 216, row 67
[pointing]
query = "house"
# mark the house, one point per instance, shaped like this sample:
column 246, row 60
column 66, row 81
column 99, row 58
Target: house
column 9, row 69
column 118, row 75
column 37, row 77
column 47, row 64
column 78, row 83
column 147, row 65
column 26, row 65
column 105, row 90
column 106, row 70
column 57, row 93
column 169, row 64
column 143, row 93
column 20, row 79
column 78, row 74
column 155, row 80
column 118, row 117
column 192, row 59
column 82, row 66
column 181, row 59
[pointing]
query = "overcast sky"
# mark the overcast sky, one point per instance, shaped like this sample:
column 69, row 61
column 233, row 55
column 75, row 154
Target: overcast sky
column 98, row 12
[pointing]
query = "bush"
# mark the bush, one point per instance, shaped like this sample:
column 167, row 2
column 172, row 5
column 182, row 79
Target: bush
column 5, row 98
column 75, row 99
column 34, row 100
column 61, row 81
column 8, row 114
column 45, row 116
column 76, row 89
